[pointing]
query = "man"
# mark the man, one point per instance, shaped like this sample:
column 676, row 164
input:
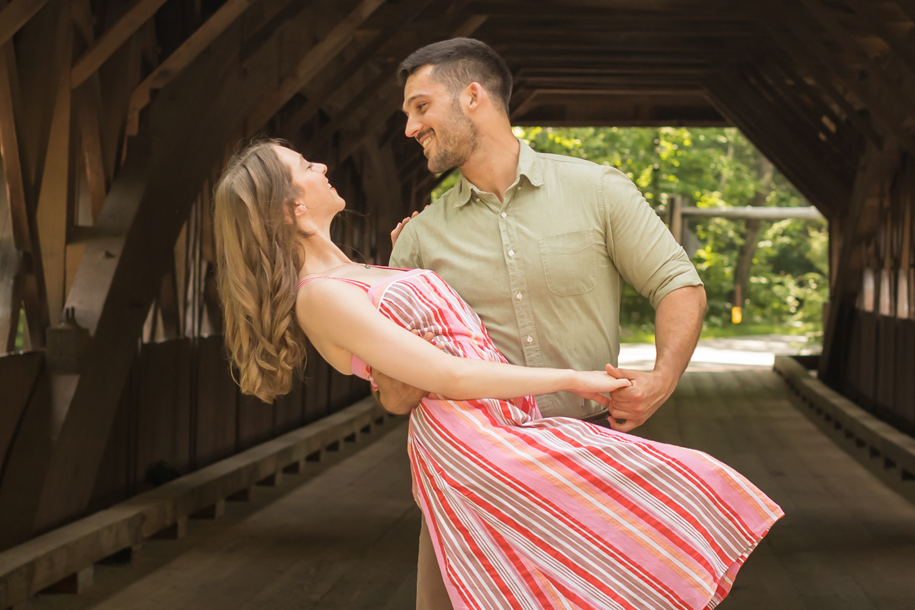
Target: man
column 538, row 245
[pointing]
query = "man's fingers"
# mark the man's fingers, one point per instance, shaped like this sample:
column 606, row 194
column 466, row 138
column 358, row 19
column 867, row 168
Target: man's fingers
column 616, row 412
column 627, row 394
column 623, row 426
column 600, row 399
column 621, row 373
column 430, row 337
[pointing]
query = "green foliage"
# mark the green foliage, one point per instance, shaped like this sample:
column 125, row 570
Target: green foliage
column 19, row 331
column 453, row 178
column 712, row 168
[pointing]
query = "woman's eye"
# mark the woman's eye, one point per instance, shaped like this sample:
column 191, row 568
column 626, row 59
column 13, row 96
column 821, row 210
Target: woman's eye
column 310, row 165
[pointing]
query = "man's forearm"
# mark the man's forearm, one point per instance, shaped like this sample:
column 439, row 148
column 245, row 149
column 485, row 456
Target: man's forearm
column 678, row 323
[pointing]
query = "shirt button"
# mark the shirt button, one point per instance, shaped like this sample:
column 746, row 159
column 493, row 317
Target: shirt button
column 519, row 296
column 511, row 252
column 504, row 214
column 530, row 339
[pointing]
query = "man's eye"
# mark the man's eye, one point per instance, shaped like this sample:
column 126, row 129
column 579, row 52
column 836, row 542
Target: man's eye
column 421, row 106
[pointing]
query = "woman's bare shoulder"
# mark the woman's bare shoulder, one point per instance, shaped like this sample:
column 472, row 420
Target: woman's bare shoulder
column 326, row 294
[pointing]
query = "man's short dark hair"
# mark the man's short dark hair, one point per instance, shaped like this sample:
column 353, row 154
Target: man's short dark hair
column 460, row 61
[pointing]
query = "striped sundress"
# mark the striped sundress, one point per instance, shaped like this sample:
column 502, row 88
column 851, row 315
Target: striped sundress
column 534, row 513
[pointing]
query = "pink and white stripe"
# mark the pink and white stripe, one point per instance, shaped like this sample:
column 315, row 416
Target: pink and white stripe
column 536, row 513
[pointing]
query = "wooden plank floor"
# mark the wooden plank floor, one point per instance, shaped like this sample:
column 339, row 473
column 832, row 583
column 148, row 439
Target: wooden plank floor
column 344, row 537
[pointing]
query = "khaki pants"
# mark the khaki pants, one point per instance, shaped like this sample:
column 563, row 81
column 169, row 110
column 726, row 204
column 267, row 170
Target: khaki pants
column 431, row 593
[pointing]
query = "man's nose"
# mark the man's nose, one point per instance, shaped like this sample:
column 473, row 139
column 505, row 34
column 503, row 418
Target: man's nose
column 413, row 127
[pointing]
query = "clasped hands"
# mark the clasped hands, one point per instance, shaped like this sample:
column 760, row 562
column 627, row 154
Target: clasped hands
column 630, row 404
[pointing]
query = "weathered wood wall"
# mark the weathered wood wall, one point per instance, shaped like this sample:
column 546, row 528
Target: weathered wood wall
column 181, row 408
column 877, row 361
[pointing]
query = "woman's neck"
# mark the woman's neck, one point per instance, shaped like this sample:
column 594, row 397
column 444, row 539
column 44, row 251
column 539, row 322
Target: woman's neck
column 321, row 254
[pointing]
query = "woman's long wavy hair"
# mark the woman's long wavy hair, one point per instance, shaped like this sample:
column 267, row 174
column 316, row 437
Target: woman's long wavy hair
column 258, row 264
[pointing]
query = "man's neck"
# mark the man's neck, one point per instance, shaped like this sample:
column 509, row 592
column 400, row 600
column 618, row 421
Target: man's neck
column 494, row 165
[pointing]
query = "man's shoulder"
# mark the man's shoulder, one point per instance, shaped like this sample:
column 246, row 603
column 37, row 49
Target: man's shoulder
column 565, row 165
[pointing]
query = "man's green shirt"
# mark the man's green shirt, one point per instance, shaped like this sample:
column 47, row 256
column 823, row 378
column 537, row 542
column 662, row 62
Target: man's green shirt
column 544, row 269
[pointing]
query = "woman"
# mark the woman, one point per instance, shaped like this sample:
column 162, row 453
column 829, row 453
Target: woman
column 524, row 512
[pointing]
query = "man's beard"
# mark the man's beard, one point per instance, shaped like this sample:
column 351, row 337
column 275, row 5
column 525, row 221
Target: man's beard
column 456, row 142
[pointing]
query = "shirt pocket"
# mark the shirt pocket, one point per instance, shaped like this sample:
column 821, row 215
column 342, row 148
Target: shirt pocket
column 570, row 262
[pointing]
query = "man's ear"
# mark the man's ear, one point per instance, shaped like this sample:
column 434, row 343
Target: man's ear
column 475, row 95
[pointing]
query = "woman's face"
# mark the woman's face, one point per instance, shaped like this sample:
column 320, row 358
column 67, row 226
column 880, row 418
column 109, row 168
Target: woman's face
column 317, row 195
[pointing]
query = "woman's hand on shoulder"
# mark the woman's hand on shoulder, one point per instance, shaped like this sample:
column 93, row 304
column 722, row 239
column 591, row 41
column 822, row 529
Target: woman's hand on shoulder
column 593, row 385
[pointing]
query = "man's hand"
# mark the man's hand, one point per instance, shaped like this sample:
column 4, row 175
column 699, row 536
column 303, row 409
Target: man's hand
column 638, row 402
column 400, row 225
column 678, row 322
column 395, row 396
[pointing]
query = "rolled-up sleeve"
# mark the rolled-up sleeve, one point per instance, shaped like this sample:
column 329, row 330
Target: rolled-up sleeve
column 406, row 253
column 640, row 245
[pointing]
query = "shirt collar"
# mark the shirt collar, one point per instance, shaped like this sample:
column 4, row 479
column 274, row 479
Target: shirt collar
column 529, row 166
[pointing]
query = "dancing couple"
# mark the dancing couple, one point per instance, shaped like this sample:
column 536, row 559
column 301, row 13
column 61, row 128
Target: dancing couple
column 505, row 289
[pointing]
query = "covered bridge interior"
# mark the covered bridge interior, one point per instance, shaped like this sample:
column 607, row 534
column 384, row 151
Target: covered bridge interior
column 117, row 116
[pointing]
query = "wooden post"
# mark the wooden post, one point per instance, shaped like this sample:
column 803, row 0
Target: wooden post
column 675, row 217
column 55, row 193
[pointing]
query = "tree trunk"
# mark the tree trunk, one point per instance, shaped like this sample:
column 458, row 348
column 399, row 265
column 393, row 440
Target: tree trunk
column 748, row 249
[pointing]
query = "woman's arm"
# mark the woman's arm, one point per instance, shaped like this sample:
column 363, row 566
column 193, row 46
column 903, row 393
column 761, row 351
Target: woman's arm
column 338, row 316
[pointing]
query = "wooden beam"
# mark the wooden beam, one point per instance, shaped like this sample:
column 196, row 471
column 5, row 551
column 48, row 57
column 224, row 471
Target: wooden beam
column 876, row 104
column 407, row 12
column 756, row 213
column 55, row 193
column 789, row 101
column 9, row 151
column 469, row 26
column 90, row 139
column 816, row 97
column 167, row 300
column 522, row 101
column 15, row 15
column 793, row 54
column 227, row 14
column 908, row 6
column 888, row 87
column 900, row 47
column 604, row 10
column 343, row 117
column 111, row 40
column 310, row 65
column 10, row 297
column 386, row 106
column 24, row 228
